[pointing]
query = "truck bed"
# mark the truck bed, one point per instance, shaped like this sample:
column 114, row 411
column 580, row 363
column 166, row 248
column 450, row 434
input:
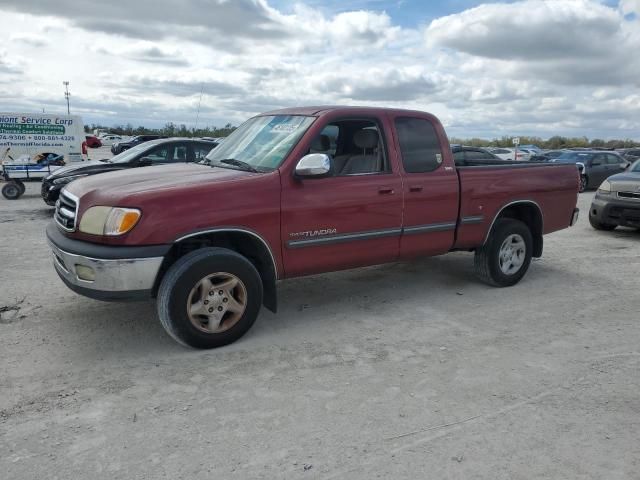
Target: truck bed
column 487, row 187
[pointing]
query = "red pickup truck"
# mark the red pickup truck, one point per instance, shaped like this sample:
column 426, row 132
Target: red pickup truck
column 297, row 192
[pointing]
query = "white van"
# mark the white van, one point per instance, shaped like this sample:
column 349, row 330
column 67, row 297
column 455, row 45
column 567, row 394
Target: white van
column 30, row 137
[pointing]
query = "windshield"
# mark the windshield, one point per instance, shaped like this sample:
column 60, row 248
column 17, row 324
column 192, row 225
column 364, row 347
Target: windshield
column 129, row 154
column 635, row 167
column 262, row 143
column 573, row 157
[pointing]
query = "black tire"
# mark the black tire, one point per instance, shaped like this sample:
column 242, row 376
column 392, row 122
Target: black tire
column 487, row 257
column 11, row 191
column 584, row 183
column 185, row 274
column 21, row 185
column 606, row 227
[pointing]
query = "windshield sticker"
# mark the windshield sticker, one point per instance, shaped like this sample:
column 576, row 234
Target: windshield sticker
column 284, row 127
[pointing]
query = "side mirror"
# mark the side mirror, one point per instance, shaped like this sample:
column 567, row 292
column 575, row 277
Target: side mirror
column 314, row 165
column 625, row 165
column 144, row 162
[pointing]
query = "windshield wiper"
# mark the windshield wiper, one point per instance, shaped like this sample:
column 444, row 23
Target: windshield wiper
column 239, row 163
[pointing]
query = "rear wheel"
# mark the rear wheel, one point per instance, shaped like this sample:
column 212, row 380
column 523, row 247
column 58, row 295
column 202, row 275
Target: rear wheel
column 607, row 227
column 506, row 256
column 11, row 191
column 209, row 298
column 584, row 183
column 21, row 185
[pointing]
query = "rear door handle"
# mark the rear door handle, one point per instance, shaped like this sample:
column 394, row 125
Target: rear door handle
column 415, row 188
column 385, row 190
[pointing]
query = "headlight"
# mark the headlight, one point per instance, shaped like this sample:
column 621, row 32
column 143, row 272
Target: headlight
column 110, row 221
column 63, row 180
column 605, row 187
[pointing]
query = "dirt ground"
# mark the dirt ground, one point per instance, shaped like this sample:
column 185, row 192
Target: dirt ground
column 413, row 370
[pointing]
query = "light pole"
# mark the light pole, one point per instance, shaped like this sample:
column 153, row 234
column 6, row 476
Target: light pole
column 67, row 94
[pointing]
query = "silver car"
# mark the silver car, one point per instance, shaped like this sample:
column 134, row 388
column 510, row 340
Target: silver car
column 617, row 201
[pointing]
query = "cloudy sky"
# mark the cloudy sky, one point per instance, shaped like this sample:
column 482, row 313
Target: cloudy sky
column 536, row 67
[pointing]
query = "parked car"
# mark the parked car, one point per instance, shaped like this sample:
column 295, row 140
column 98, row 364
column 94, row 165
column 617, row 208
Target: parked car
column 92, row 141
column 594, row 165
column 462, row 154
column 109, row 139
column 121, row 146
column 630, row 154
column 154, row 152
column 510, row 154
column 546, row 156
column 617, row 201
column 502, row 153
column 533, row 149
column 211, row 240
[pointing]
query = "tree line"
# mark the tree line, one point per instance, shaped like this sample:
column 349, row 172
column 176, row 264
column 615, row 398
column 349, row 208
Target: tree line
column 170, row 130
column 554, row 143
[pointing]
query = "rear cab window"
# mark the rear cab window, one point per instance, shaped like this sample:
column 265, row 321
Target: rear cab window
column 419, row 145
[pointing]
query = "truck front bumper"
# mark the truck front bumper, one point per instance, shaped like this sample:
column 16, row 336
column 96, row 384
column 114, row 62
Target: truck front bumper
column 105, row 272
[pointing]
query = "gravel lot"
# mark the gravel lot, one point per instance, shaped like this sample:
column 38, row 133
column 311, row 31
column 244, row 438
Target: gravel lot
column 413, row 370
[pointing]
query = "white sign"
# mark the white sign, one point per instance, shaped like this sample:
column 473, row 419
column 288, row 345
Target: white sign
column 30, row 135
column 516, row 141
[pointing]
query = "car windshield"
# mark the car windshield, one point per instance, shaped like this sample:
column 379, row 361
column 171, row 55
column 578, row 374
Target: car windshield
column 635, row 167
column 261, row 143
column 573, row 157
column 131, row 153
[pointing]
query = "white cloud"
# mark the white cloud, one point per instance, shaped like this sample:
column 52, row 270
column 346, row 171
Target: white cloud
column 529, row 67
column 572, row 42
column 630, row 6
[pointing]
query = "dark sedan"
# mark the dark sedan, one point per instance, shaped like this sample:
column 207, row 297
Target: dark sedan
column 155, row 152
column 594, row 165
column 120, row 147
column 617, row 201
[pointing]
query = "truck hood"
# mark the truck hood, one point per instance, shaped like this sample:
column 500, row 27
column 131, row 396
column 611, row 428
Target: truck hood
column 138, row 182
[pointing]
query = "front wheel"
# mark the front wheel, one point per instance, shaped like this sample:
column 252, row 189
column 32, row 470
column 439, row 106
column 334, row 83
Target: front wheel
column 21, row 186
column 505, row 258
column 209, row 298
column 11, row 191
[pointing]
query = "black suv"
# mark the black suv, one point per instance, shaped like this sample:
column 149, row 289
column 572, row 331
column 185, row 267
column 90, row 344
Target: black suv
column 120, row 147
column 155, row 152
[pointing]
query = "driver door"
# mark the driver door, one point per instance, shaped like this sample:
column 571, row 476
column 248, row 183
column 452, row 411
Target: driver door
column 345, row 220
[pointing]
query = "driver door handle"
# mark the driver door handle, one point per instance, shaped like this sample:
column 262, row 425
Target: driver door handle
column 385, row 190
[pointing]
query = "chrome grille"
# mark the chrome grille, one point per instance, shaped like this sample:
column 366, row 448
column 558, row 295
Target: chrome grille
column 634, row 195
column 66, row 211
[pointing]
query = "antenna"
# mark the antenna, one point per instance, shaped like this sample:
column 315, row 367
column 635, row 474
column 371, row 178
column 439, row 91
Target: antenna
column 199, row 102
column 66, row 94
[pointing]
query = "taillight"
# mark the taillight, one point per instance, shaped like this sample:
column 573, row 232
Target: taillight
column 84, row 148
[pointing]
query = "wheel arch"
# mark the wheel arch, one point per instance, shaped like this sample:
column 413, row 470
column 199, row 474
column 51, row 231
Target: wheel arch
column 528, row 212
column 245, row 242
